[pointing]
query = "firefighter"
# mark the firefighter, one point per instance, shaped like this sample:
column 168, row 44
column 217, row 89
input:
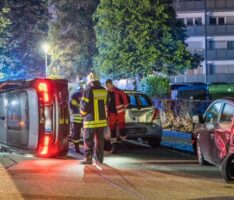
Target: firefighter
column 77, row 120
column 93, row 104
column 116, row 104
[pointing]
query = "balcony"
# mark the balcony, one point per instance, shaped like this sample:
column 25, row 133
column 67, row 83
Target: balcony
column 196, row 30
column 220, row 54
column 200, row 52
column 223, row 77
column 194, row 5
column 213, row 30
column 220, row 4
column 189, row 5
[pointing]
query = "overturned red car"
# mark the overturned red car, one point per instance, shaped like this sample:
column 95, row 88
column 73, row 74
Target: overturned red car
column 214, row 133
column 34, row 116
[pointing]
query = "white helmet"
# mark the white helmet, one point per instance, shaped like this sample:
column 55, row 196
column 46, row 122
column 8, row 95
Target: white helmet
column 92, row 77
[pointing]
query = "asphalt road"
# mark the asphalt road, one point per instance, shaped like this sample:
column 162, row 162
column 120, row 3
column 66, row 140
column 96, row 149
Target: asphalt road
column 136, row 173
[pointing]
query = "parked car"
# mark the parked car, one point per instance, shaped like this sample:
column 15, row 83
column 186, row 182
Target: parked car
column 34, row 116
column 214, row 133
column 143, row 122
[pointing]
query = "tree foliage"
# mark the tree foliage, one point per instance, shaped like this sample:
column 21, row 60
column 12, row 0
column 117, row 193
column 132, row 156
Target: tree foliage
column 71, row 37
column 28, row 30
column 140, row 36
column 4, row 36
column 155, row 86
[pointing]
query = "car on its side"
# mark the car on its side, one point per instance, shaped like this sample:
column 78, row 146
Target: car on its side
column 143, row 122
column 214, row 133
column 34, row 116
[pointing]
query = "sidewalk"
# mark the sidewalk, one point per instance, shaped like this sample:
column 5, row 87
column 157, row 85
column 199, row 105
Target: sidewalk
column 177, row 140
column 8, row 189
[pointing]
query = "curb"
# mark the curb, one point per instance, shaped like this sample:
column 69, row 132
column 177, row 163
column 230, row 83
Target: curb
column 177, row 140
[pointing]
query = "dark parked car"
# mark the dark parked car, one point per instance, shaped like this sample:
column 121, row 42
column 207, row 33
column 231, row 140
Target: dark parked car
column 214, row 133
column 142, row 119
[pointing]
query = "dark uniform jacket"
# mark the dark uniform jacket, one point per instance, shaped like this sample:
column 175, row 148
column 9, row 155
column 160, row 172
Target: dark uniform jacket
column 93, row 106
column 75, row 107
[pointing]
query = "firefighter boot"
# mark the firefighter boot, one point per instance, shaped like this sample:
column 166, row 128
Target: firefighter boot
column 87, row 161
column 77, row 148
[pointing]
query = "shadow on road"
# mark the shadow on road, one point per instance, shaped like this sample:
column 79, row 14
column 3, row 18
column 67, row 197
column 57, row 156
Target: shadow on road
column 216, row 198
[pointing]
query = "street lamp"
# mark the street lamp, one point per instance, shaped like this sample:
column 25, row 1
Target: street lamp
column 45, row 48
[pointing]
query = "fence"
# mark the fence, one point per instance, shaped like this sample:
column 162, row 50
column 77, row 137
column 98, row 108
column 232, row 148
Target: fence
column 221, row 77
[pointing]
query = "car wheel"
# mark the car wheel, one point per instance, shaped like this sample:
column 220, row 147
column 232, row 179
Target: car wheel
column 154, row 143
column 200, row 157
column 228, row 168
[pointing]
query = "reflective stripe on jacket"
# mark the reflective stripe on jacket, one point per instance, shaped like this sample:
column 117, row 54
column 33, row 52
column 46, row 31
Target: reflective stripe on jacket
column 77, row 118
column 121, row 102
column 93, row 105
column 75, row 107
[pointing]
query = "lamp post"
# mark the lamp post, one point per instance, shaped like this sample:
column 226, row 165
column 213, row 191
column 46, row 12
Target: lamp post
column 45, row 48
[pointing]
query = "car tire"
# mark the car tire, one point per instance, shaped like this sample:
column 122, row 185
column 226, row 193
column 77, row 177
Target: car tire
column 228, row 168
column 200, row 157
column 154, row 143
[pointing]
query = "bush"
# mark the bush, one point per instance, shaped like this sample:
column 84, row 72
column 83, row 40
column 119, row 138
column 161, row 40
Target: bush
column 155, row 86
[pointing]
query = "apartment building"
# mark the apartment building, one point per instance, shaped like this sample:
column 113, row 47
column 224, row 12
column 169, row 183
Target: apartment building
column 210, row 27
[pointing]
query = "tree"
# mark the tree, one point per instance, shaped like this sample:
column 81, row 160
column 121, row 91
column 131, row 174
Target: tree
column 4, row 36
column 139, row 37
column 71, row 37
column 28, row 28
column 155, row 86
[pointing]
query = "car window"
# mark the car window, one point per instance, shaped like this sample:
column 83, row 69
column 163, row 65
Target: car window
column 139, row 101
column 143, row 101
column 226, row 116
column 212, row 113
column 132, row 100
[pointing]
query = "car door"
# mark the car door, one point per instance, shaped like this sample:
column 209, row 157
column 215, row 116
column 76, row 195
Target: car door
column 3, row 127
column 223, row 133
column 208, row 130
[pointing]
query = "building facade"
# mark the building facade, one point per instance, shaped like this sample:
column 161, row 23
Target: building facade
column 210, row 27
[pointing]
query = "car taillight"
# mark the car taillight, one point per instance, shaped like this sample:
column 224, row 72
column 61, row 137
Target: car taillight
column 44, row 145
column 44, row 91
column 155, row 115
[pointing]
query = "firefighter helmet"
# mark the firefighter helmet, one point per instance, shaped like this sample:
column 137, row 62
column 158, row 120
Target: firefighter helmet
column 92, row 77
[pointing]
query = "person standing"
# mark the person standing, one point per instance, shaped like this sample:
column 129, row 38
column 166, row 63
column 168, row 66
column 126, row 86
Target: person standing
column 77, row 119
column 116, row 104
column 93, row 109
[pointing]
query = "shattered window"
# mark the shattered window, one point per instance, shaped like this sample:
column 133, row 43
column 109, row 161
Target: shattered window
column 227, row 114
column 213, row 113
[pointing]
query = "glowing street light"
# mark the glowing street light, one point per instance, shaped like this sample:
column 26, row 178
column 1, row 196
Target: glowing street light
column 45, row 48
